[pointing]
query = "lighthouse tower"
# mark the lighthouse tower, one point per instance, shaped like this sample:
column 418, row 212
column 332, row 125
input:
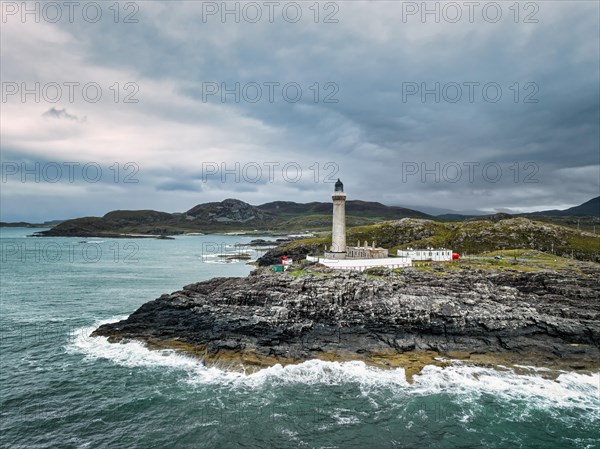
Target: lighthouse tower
column 338, row 231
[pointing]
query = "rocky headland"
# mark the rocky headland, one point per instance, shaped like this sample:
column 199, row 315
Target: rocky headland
column 408, row 317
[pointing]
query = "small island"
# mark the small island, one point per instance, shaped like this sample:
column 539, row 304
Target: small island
column 513, row 307
column 483, row 312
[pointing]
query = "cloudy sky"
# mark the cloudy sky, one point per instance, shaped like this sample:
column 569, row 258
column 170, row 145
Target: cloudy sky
column 164, row 105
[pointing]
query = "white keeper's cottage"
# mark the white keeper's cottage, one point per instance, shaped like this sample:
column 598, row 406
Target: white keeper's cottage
column 429, row 254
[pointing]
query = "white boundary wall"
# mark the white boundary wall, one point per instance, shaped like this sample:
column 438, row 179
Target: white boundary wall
column 362, row 264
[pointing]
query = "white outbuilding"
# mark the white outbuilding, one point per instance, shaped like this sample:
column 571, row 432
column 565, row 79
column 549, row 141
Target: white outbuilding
column 429, row 254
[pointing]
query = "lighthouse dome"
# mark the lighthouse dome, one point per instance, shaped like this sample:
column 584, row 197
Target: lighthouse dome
column 339, row 187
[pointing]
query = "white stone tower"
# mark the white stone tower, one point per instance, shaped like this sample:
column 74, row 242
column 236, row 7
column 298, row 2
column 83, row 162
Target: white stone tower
column 338, row 231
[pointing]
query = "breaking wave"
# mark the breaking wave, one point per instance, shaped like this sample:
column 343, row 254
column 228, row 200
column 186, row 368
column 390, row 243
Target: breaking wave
column 464, row 381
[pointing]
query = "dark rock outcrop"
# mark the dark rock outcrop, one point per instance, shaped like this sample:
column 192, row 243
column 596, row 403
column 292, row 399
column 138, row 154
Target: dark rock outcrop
column 277, row 317
column 297, row 251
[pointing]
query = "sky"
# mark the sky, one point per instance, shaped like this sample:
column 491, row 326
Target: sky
column 489, row 106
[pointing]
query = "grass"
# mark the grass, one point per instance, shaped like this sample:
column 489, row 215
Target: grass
column 526, row 261
column 297, row 272
column 520, row 260
column 310, row 241
column 481, row 236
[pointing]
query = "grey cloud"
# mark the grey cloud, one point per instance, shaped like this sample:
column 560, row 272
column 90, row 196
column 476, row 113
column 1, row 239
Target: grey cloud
column 171, row 186
column 61, row 114
column 371, row 132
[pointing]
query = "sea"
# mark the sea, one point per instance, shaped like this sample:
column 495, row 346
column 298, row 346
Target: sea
column 61, row 388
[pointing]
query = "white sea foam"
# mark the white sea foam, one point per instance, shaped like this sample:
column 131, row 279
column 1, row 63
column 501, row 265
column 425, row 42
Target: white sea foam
column 465, row 382
column 135, row 354
column 329, row 373
column 531, row 368
column 568, row 390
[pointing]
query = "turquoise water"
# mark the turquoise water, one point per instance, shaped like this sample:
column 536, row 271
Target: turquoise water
column 61, row 388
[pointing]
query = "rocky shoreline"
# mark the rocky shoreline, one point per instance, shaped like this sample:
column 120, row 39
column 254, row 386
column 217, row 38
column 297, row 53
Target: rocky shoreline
column 389, row 318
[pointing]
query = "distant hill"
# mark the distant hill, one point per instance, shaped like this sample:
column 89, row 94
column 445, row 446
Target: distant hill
column 439, row 211
column 591, row 207
column 456, row 217
column 284, row 217
column 355, row 208
column 25, row 224
column 586, row 216
column 140, row 216
column 228, row 211
column 17, row 224
column 229, row 215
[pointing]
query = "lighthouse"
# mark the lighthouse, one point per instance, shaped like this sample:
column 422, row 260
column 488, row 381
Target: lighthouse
column 338, row 231
column 360, row 257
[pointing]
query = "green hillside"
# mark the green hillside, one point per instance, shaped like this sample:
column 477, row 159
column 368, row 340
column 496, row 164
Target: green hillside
column 473, row 237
